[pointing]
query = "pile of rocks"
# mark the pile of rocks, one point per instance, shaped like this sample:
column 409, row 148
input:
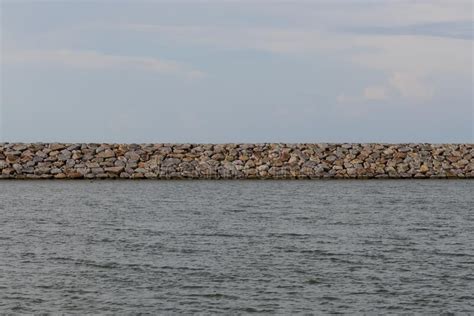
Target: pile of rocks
column 235, row 161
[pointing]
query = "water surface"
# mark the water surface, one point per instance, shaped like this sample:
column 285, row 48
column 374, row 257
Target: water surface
column 276, row 247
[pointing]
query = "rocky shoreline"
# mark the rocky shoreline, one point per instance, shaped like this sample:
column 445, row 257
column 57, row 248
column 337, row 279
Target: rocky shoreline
column 235, row 161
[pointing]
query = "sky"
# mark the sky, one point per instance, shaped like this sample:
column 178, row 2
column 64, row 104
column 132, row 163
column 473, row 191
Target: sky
column 393, row 71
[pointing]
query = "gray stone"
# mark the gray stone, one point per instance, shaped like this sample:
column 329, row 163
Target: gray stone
column 56, row 171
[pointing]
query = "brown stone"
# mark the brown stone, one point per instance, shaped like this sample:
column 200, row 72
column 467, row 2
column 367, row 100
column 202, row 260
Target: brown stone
column 114, row 169
column 74, row 175
column 108, row 153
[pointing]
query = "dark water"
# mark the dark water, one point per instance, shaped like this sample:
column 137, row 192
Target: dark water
column 236, row 247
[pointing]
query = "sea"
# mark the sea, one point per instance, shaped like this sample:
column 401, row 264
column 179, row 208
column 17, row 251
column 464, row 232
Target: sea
column 275, row 247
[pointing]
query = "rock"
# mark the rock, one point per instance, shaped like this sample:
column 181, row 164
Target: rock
column 97, row 171
column 235, row 161
column 28, row 170
column 132, row 156
column 107, row 153
column 12, row 159
column 294, row 160
column 218, row 157
column 284, row 156
column 150, row 175
column 243, row 157
column 138, row 176
column 262, row 168
column 424, row 168
column 170, row 162
column 8, row 171
column 114, row 169
column 454, row 158
column 42, row 170
column 250, row 164
column 120, row 163
column 92, row 165
column 250, row 172
column 54, row 147
column 124, row 175
column 74, row 147
column 63, row 157
column 19, row 147
column 74, row 175
column 56, row 171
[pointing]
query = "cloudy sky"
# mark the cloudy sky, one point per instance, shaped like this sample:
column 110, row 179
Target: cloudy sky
column 237, row 71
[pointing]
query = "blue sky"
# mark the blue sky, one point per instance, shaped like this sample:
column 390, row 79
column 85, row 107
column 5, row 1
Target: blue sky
column 237, row 71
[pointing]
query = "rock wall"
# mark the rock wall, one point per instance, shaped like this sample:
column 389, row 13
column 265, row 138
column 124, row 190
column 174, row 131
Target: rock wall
column 235, row 161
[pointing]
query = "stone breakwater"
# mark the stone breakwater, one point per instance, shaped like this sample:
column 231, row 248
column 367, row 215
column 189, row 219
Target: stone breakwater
column 235, row 161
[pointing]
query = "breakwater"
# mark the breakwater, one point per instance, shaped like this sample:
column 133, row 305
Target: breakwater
column 235, row 161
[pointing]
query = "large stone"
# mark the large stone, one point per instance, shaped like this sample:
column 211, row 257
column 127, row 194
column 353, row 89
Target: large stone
column 12, row 159
column 107, row 153
column 97, row 170
column 20, row 147
column 170, row 162
column 56, row 171
column 90, row 164
column 74, row 175
column 56, row 146
column 263, row 168
column 132, row 156
column 114, row 169
column 8, row 171
column 424, row 168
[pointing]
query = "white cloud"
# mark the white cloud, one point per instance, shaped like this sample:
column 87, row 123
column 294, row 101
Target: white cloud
column 410, row 86
column 400, row 85
column 97, row 60
column 414, row 54
column 343, row 98
column 390, row 53
column 375, row 93
column 408, row 61
column 370, row 13
column 268, row 39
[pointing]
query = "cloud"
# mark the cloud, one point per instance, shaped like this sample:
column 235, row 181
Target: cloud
column 375, row 93
column 410, row 86
column 389, row 52
column 413, row 54
column 277, row 40
column 456, row 29
column 369, row 13
column 410, row 61
column 343, row 98
column 399, row 85
column 96, row 60
column 406, row 60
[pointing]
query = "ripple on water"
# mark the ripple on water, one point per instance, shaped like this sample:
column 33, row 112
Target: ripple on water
column 219, row 247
